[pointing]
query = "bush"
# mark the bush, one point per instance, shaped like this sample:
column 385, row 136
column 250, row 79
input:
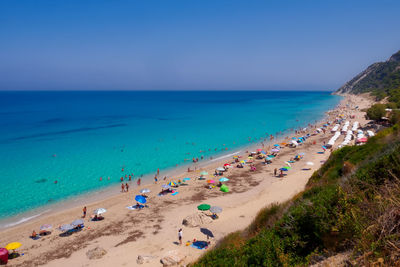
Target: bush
column 376, row 112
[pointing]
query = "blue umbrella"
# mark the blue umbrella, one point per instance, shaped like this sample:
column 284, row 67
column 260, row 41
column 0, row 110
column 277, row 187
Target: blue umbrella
column 224, row 179
column 186, row 179
column 276, row 145
column 283, row 169
column 140, row 199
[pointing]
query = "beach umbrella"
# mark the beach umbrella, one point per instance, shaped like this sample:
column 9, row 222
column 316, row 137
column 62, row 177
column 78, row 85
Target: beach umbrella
column 259, row 149
column 13, row 245
column 250, row 157
column 66, row 227
column 263, row 152
column 99, row 211
column 310, row 163
column 220, row 169
column 294, row 138
column 243, row 162
column 224, row 179
column 144, row 191
column 171, row 183
column 186, row 179
column 166, row 186
column 46, row 227
column 287, row 163
column 274, row 150
column 203, row 207
column 207, row 232
column 277, row 145
column 324, row 148
column 227, row 165
column 268, row 158
column 284, row 169
column 210, row 181
column 204, row 173
column 77, row 222
column 224, row 188
column 216, row 209
column 140, row 199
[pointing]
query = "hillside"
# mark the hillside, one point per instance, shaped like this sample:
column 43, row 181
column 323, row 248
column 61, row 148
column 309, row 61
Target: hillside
column 351, row 205
column 378, row 77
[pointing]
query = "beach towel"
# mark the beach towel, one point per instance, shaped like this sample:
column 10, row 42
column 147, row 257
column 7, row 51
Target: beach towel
column 199, row 244
column 173, row 194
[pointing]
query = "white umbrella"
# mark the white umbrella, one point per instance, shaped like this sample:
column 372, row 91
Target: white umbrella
column 287, row 163
column 66, row 227
column 99, row 211
column 145, row 190
column 216, row 209
column 310, row 163
column 220, row 169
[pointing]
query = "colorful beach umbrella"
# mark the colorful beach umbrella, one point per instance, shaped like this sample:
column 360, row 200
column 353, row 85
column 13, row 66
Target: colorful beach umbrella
column 224, row 179
column 203, row 207
column 171, row 183
column 140, row 199
column 224, row 188
column 13, row 245
column 210, row 181
column 227, row 165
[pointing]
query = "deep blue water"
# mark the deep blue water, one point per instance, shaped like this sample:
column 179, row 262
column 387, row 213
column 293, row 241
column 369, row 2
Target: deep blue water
column 78, row 137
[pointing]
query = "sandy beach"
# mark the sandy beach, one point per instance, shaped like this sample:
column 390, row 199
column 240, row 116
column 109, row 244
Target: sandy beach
column 153, row 231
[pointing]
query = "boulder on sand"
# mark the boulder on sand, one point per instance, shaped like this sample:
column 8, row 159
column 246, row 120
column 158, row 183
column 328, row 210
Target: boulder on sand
column 197, row 219
column 144, row 259
column 96, row 253
column 172, row 257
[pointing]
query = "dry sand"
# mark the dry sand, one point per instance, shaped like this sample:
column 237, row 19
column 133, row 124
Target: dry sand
column 153, row 231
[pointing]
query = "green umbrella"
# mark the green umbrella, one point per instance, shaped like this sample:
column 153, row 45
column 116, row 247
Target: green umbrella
column 224, row 188
column 203, row 207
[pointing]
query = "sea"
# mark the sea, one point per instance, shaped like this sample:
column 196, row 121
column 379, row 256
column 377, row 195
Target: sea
column 60, row 145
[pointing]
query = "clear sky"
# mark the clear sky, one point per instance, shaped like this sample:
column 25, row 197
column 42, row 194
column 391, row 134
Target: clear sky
column 192, row 44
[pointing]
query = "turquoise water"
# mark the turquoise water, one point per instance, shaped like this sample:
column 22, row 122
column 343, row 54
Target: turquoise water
column 78, row 137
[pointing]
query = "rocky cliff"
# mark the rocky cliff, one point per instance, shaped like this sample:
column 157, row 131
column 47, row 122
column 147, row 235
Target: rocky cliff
column 378, row 76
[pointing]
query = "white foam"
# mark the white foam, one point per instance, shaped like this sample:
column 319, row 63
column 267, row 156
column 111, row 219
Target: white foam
column 23, row 219
column 226, row 156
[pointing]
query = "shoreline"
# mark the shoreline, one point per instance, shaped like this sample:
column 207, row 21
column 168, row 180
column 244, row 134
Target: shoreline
column 152, row 231
column 113, row 190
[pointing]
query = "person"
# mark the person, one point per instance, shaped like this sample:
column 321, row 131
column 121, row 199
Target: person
column 84, row 212
column 138, row 182
column 180, row 234
column 127, row 187
column 275, row 171
column 122, row 187
column 158, row 171
column 34, row 235
column 155, row 179
column 122, row 178
column 130, row 177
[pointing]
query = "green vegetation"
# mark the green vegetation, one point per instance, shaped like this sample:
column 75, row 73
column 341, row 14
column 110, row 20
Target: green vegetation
column 376, row 112
column 351, row 203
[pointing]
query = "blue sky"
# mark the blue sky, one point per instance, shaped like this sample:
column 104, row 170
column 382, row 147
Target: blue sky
column 192, row 45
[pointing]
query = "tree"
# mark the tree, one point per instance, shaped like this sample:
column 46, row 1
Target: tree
column 376, row 112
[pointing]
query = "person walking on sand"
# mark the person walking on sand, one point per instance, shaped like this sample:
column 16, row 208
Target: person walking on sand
column 122, row 187
column 180, row 235
column 84, row 212
column 127, row 187
column 275, row 171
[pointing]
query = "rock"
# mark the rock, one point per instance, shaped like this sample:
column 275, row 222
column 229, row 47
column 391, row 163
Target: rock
column 197, row 219
column 96, row 253
column 172, row 258
column 144, row 259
